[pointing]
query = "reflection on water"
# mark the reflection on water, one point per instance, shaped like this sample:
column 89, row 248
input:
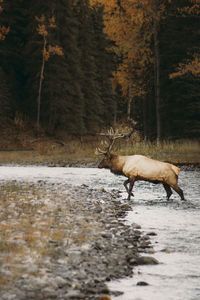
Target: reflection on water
column 176, row 223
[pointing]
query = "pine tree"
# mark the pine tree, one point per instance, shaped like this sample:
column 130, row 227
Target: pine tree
column 90, row 85
column 106, row 65
column 72, row 106
column 6, row 104
column 61, row 105
column 180, row 95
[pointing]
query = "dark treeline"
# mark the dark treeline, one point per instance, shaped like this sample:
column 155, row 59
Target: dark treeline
column 179, row 39
column 179, row 107
column 77, row 96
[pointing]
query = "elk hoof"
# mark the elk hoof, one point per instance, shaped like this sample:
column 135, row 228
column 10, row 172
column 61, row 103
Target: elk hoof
column 129, row 196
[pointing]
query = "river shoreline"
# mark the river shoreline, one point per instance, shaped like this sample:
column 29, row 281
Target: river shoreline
column 63, row 236
column 88, row 163
column 107, row 248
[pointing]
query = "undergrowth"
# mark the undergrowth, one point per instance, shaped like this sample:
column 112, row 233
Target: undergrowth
column 83, row 151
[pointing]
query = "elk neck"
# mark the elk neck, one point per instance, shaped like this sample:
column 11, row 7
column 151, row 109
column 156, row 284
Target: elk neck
column 116, row 164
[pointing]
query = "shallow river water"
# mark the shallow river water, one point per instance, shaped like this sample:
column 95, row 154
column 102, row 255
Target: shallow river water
column 176, row 224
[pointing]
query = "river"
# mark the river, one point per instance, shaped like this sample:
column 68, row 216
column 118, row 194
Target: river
column 176, row 224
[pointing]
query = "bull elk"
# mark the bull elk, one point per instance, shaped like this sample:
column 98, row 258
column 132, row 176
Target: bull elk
column 139, row 167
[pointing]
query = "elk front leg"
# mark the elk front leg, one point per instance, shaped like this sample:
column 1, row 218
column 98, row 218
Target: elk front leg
column 130, row 189
column 168, row 190
column 126, row 186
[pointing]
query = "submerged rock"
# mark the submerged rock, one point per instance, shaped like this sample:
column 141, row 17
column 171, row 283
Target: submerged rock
column 147, row 260
column 142, row 283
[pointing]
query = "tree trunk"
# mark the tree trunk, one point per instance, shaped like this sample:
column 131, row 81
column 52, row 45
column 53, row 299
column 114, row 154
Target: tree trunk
column 115, row 113
column 40, row 85
column 145, row 125
column 157, row 70
column 129, row 104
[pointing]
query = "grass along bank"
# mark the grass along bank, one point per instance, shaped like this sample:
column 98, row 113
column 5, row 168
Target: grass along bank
column 82, row 151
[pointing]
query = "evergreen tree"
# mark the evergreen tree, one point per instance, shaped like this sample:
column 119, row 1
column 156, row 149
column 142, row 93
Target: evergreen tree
column 61, row 95
column 179, row 38
column 90, row 84
column 76, row 94
column 6, row 104
column 11, row 49
column 71, row 97
column 106, row 65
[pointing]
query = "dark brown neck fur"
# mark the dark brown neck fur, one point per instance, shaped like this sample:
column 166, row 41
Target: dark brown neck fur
column 116, row 164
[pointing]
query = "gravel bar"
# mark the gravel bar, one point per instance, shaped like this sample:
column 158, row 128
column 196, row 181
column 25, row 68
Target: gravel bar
column 65, row 242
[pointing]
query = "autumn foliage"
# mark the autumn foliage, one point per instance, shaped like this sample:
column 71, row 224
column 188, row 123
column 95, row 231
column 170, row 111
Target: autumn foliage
column 129, row 24
column 3, row 29
column 192, row 65
column 43, row 25
column 82, row 66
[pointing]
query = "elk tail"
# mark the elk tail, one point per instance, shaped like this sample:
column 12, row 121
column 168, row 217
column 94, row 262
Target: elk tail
column 176, row 170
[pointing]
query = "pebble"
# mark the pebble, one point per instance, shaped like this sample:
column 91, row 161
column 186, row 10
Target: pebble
column 60, row 282
column 106, row 235
column 136, row 226
column 151, row 233
column 74, row 295
column 8, row 296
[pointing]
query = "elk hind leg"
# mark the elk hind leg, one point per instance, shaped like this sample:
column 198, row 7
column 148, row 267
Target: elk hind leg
column 179, row 191
column 168, row 190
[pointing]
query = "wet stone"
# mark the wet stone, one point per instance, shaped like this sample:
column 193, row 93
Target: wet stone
column 142, row 283
column 151, row 233
column 73, row 295
column 144, row 245
column 106, row 235
column 136, row 226
column 49, row 292
column 60, row 282
column 149, row 250
column 8, row 296
column 147, row 260
column 137, row 233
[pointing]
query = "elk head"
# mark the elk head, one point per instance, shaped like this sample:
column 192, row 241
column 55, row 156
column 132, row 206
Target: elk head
column 112, row 136
column 107, row 146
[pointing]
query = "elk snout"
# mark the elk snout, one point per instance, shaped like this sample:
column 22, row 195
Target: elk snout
column 101, row 164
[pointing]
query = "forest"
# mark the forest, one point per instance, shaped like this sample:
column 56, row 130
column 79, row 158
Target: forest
column 77, row 66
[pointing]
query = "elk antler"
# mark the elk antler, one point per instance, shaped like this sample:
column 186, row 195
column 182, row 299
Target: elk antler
column 104, row 144
column 113, row 136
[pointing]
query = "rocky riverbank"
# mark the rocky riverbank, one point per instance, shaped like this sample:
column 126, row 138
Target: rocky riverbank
column 65, row 242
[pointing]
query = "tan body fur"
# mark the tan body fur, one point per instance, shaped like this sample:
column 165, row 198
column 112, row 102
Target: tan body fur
column 139, row 167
